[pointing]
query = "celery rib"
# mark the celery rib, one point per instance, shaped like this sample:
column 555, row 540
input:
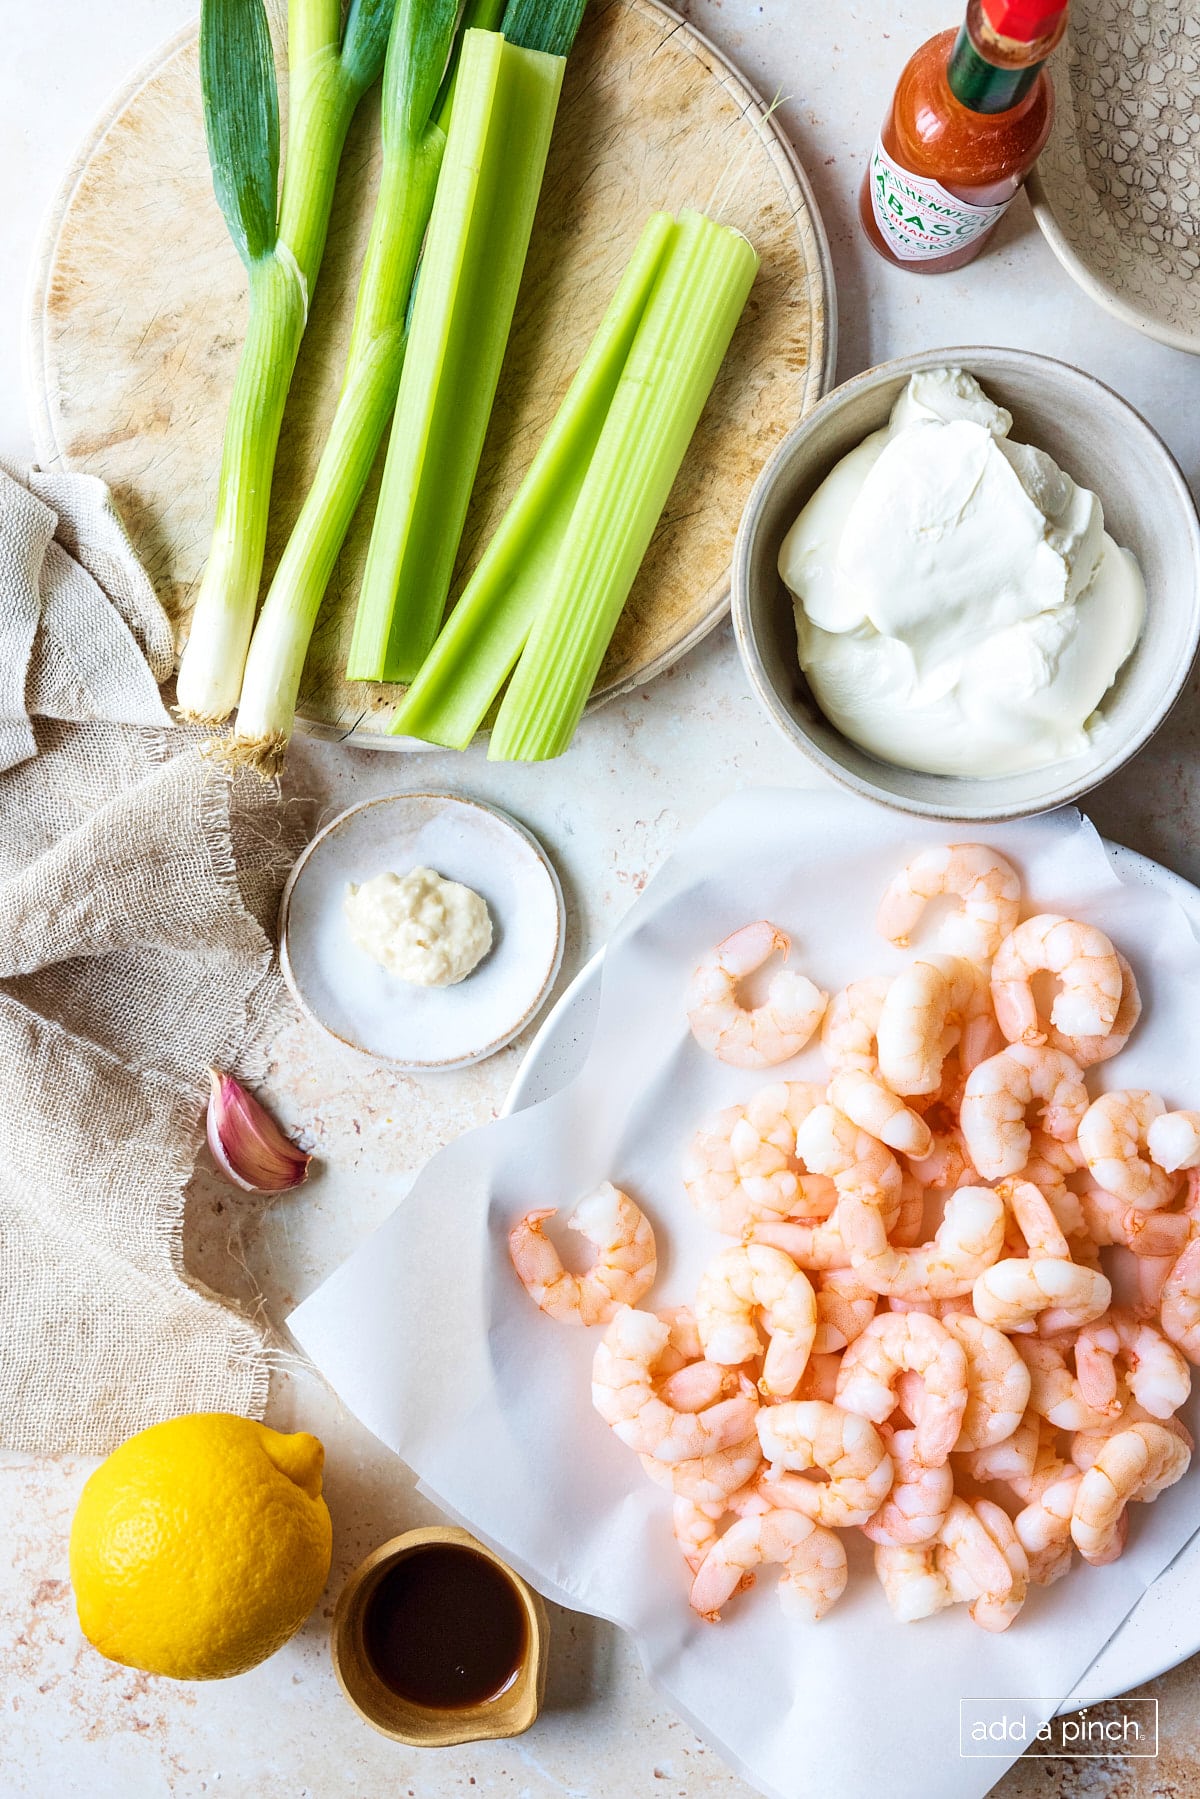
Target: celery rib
column 486, row 631
column 499, row 137
column 684, row 334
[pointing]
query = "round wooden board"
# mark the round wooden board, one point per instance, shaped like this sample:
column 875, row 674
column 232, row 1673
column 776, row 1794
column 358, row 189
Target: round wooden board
column 140, row 302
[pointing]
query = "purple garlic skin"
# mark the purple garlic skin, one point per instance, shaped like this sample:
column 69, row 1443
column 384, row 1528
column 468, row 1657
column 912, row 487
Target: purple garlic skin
column 246, row 1143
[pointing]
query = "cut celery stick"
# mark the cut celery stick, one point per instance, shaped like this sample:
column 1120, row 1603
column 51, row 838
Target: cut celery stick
column 504, row 106
column 684, row 334
column 486, row 631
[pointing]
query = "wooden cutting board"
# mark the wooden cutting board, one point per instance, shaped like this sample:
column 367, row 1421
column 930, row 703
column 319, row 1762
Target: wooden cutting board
column 140, row 305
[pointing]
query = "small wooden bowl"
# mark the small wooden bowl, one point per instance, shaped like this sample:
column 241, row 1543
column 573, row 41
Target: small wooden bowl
column 420, row 1726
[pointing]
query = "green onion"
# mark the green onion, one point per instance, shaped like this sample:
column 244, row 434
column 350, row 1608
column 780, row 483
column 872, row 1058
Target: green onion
column 486, row 632
column 504, row 109
column 679, row 346
column 330, row 70
column 413, row 145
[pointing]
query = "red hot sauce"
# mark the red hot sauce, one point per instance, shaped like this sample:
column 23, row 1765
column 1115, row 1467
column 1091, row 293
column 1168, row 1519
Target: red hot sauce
column 970, row 115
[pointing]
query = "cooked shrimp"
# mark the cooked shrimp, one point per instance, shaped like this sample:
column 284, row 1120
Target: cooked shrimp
column 848, row 1037
column 948, row 1164
column 709, row 1479
column 804, row 1434
column 812, row 1245
column 1112, row 1134
column 914, row 1510
column 624, row 1268
column 1043, row 1525
column 932, row 1004
column 983, row 1562
column 695, row 1527
column 1000, row 1091
column 1085, row 1445
column 745, row 1280
column 987, row 885
column 624, row 1393
column 1180, row 1303
column 755, row 1037
column 819, row 1380
column 966, row 1243
column 1158, row 1375
column 814, row 1564
column 763, row 1145
column 1173, row 1139
column 1087, row 1051
column 1055, row 1392
column 892, row 1343
column 1086, row 965
column 912, row 1583
column 1134, row 1464
column 1110, row 1220
column 1040, row 1232
column 1011, row 1460
column 858, row 1163
column 1011, row 1294
column 845, row 1306
column 997, row 1382
column 731, row 1201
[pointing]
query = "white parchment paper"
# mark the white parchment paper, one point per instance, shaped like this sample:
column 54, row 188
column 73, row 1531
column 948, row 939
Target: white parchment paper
column 427, row 1335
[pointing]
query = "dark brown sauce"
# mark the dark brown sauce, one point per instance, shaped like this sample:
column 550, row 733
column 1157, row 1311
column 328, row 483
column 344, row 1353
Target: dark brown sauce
column 445, row 1628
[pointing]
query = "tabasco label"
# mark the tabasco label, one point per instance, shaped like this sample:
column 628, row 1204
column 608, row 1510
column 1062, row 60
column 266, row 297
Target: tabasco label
column 918, row 218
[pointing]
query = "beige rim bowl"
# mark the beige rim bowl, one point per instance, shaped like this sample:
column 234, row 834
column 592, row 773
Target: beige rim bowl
column 1104, row 444
column 420, row 1726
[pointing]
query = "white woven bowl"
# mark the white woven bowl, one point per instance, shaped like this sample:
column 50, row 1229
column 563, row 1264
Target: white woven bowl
column 1117, row 188
column 1101, row 441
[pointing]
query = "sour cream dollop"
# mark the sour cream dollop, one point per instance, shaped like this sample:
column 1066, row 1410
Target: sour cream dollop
column 419, row 926
column 960, row 608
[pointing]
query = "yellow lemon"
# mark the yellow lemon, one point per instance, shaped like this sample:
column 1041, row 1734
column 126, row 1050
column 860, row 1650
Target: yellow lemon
column 201, row 1545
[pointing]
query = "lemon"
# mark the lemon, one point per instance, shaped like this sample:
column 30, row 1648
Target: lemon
column 201, row 1545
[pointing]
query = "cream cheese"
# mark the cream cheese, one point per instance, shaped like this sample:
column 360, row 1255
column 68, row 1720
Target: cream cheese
column 960, row 608
column 419, row 927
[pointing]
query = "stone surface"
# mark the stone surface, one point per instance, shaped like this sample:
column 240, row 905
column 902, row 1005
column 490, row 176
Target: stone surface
column 642, row 771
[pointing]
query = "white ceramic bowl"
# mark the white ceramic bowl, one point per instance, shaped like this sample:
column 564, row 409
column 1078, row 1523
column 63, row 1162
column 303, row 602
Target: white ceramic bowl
column 1101, row 441
column 422, row 1029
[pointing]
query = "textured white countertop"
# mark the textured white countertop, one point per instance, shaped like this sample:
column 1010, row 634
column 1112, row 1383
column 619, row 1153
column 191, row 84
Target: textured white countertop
column 641, row 772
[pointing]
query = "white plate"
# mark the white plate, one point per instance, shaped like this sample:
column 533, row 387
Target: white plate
column 355, row 1000
column 1164, row 1628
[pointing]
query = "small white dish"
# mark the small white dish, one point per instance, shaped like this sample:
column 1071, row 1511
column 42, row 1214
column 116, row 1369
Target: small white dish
column 422, row 1029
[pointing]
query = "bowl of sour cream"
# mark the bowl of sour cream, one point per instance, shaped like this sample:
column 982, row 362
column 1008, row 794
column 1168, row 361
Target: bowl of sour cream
column 968, row 584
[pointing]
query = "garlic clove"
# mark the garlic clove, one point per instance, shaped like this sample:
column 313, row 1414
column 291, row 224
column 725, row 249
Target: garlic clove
column 247, row 1144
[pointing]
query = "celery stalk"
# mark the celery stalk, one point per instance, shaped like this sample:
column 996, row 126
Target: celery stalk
column 486, row 632
column 330, row 70
column 413, row 145
column 506, row 99
column 680, row 344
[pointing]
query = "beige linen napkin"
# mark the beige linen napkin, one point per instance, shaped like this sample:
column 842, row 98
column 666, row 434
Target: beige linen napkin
column 138, row 882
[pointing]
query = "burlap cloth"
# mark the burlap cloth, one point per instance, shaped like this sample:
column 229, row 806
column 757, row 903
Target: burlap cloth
column 138, row 883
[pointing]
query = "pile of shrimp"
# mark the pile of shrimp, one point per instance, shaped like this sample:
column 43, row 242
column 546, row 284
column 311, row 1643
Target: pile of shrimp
column 913, row 1333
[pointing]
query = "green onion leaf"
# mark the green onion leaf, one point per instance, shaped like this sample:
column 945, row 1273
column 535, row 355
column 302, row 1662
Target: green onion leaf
column 365, row 40
column 546, row 25
column 241, row 120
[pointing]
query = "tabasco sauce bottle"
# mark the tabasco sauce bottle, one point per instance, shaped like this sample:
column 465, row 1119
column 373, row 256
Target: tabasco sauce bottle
column 969, row 117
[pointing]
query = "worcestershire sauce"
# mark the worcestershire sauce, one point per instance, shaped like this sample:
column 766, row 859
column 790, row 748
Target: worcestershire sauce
column 445, row 1628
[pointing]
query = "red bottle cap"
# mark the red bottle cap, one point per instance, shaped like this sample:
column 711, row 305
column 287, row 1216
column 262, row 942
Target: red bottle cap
column 1023, row 21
